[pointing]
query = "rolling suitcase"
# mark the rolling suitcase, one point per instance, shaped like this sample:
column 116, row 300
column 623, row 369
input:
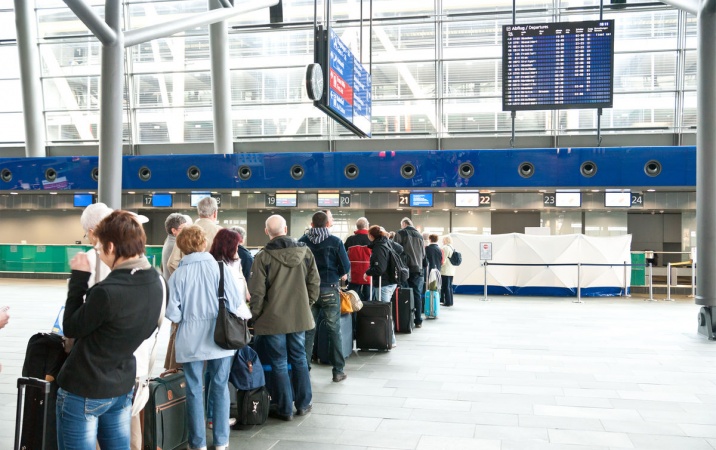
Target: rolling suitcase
column 31, row 422
column 320, row 344
column 432, row 295
column 374, row 326
column 44, row 358
column 165, row 416
column 432, row 304
column 403, row 307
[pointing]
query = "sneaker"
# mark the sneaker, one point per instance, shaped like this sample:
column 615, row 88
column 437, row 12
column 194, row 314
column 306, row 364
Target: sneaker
column 338, row 377
column 232, row 422
column 222, row 447
column 210, row 425
column 418, row 325
column 303, row 412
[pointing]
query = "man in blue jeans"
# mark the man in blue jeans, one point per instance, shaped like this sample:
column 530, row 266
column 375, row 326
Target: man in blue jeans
column 333, row 265
column 284, row 283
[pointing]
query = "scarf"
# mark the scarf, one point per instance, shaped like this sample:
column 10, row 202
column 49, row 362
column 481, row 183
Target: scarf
column 318, row 235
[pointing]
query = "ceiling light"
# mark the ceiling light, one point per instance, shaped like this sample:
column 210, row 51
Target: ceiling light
column 651, row 190
column 236, row 193
column 53, row 193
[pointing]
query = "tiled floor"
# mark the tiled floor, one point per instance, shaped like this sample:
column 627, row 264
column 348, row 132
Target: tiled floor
column 512, row 373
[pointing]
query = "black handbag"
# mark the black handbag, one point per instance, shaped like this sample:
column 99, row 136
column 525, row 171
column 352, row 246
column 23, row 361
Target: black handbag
column 231, row 332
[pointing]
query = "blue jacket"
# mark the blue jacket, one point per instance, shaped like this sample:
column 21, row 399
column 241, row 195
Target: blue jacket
column 194, row 306
column 331, row 258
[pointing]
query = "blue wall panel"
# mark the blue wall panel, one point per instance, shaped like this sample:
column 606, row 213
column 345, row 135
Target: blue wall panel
column 555, row 168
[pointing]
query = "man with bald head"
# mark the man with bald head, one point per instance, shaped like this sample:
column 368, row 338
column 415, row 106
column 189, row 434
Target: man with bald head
column 284, row 284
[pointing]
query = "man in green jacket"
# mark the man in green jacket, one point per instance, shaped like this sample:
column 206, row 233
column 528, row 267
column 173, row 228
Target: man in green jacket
column 284, row 284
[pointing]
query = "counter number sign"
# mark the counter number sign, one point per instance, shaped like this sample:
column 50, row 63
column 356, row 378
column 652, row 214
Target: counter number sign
column 403, row 200
column 637, row 200
column 549, row 199
column 270, row 200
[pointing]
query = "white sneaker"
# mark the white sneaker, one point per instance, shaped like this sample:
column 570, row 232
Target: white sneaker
column 232, row 422
column 222, row 447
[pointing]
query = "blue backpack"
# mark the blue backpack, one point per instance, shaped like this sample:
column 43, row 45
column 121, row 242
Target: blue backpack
column 247, row 373
column 455, row 258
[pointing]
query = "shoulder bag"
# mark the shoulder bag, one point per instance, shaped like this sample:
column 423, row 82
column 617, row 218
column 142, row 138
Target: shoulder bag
column 231, row 332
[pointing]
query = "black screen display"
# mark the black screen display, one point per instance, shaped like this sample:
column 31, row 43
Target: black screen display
column 558, row 65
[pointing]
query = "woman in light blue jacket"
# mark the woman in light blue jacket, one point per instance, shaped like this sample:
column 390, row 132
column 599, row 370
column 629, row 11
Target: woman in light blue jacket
column 194, row 306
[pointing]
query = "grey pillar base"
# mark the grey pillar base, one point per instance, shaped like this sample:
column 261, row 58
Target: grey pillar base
column 706, row 323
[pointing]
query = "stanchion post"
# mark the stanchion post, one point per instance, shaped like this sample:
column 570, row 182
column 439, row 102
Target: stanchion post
column 624, row 291
column 579, row 283
column 651, row 285
column 668, row 283
column 484, row 287
column 693, row 279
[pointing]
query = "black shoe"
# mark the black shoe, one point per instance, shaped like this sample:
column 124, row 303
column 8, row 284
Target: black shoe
column 303, row 412
column 338, row 377
column 276, row 415
column 418, row 325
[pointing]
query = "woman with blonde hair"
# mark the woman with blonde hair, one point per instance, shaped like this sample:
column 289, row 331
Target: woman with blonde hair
column 447, row 272
column 194, row 307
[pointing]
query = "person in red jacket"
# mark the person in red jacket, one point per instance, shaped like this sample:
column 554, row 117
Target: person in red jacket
column 359, row 252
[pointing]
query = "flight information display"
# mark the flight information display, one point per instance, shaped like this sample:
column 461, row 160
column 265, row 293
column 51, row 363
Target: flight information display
column 558, row 65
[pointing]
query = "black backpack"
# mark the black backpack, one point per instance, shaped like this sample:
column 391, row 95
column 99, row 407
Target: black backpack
column 455, row 258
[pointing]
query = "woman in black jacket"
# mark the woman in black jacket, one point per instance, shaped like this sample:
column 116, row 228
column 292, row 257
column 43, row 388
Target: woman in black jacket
column 109, row 321
column 382, row 267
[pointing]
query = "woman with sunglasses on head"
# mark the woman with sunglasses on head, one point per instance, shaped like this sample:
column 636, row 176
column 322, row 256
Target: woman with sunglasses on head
column 109, row 322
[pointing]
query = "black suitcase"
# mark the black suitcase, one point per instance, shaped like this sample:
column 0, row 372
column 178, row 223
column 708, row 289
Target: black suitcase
column 31, row 421
column 403, row 307
column 44, row 358
column 165, row 416
column 320, row 343
column 374, row 326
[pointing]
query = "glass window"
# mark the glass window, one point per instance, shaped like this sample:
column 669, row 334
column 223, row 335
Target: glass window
column 472, row 78
column 256, row 86
column 644, row 71
column 11, row 97
column 486, row 115
column 9, row 54
column 13, row 128
column 399, row 43
column 7, row 24
column 690, row 69
column 71, row 58
column 278, row 120
column 639, row 31
column 404, row 116
column 403, row 81
column 469, row 6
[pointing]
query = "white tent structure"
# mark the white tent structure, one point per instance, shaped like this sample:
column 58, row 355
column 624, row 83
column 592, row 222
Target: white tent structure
column 544, row 265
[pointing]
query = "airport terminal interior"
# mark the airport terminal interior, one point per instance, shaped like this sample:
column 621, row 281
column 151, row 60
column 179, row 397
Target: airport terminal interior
column 497, row 372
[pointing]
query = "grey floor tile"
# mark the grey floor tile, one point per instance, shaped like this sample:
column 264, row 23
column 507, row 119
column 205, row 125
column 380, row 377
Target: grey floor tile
column 560, row 423
column 641, row 427
column 603, row 438
column 659, row 442
column 575, row 373
column 454, row 443
column 511, row 433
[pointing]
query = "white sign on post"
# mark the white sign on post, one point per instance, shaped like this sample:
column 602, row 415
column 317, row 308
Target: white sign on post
column 485, row 251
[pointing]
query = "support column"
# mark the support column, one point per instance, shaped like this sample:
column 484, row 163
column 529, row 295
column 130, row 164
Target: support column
column 33, row 117
column 221, row 84
column 110, row 127
column 706, row 156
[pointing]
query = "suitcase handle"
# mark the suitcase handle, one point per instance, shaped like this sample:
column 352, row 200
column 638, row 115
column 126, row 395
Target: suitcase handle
column 34, row 382
column 168, row 372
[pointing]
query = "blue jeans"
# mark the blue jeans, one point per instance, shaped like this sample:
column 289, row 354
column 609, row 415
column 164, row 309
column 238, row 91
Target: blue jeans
column 416, row 282
column 82, row 422
column 281, row 350
column 329, row 302
column 218, row 370
column 386, row 293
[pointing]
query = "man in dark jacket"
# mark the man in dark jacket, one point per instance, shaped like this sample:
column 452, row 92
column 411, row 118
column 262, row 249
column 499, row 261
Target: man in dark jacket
column 284, row 283
column 359, row 256
column 414, row 248
column 333, row 265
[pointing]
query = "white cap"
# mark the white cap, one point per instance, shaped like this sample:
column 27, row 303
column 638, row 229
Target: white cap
column 140, row 218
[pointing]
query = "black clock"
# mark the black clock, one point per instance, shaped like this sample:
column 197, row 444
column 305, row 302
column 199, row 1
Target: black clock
column 314, row 81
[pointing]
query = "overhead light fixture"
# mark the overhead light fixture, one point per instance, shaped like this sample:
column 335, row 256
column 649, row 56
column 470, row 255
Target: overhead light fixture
column 131, row 192
column 13, row 193
column 53, row 193
column 651, row 190
column 236, row 193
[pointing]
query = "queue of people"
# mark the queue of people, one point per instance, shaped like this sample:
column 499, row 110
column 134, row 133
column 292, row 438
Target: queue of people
column 115, row 303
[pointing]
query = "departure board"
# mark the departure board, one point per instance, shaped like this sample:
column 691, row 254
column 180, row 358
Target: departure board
column 558, row 65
